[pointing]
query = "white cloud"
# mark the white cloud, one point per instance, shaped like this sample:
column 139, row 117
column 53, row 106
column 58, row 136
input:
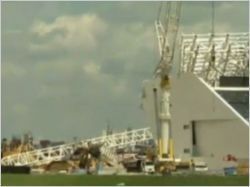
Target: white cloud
column 13, row 70
column 120, row 87
column 116, row 85
column 129, row 39
column 69, row 32
column 20, row 109
column 91, row 68
column 226, row 7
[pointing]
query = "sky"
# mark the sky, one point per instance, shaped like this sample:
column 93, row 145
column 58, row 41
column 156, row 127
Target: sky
column 70, row 68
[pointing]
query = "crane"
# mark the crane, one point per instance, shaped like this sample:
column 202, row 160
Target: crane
column 167, row 26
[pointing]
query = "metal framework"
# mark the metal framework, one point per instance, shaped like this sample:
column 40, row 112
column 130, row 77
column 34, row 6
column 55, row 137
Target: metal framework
column 167, row 36
column 63, row 152
column 166, row 32
column 211, row 56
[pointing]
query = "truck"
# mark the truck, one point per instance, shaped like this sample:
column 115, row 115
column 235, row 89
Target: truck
column 148, row 167
column 200, row 166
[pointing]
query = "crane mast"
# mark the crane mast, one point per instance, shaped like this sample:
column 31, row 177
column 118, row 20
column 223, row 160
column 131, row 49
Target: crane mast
column 167, row 25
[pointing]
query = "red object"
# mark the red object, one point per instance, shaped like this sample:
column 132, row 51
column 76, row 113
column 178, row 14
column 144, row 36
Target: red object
column 230, row 157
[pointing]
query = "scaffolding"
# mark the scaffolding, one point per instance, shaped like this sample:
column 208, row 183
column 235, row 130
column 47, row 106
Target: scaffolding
column 211, row 56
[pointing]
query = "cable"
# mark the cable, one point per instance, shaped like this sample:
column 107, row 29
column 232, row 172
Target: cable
column 213, row 12
column 159, row 11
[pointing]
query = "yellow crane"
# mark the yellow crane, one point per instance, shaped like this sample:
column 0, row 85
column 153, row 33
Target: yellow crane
column 167, row 25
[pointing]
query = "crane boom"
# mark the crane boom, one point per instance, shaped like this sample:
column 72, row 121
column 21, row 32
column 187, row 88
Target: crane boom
column 167, row 36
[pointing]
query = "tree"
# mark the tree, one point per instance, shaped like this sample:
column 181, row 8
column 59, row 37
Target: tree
column 4, row 144
column 15, row 142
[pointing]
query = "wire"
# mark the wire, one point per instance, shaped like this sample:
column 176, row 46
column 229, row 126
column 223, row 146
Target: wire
column 213, row 14
column 159, row 11
column 167, row 16
column 178, row 15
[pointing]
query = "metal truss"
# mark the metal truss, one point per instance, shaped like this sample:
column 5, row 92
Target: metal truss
column 166, row 32
column 211, row 56
column 63, row 152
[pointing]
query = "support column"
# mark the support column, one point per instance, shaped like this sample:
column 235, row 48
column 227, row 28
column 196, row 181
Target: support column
column 165, row 118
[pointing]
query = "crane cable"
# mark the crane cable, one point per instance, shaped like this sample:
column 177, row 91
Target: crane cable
column 212, row 21
column 177, row 23
column 178, row 15
column 159, row 12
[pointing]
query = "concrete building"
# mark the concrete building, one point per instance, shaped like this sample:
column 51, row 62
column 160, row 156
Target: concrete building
column 203, row 124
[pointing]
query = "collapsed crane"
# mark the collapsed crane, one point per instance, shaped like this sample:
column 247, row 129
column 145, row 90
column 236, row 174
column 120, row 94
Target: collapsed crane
column 63, row 152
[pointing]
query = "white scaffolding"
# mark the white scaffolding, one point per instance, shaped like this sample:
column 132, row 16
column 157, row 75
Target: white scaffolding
column 211, row 56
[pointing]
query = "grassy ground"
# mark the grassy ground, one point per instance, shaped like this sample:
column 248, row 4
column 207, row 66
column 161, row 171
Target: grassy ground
column 92, row 180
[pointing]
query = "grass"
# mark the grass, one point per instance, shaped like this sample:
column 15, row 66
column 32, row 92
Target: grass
column 111, row 180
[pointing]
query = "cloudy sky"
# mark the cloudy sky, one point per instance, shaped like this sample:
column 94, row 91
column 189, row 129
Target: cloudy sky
column 69, row 68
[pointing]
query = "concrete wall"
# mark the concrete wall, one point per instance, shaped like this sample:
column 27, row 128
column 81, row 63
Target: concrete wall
column 219, row 128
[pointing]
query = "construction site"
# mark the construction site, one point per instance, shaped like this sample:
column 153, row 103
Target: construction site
column 197, row 114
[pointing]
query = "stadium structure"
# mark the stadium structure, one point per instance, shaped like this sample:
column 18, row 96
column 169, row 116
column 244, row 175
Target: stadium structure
column 208, row 99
